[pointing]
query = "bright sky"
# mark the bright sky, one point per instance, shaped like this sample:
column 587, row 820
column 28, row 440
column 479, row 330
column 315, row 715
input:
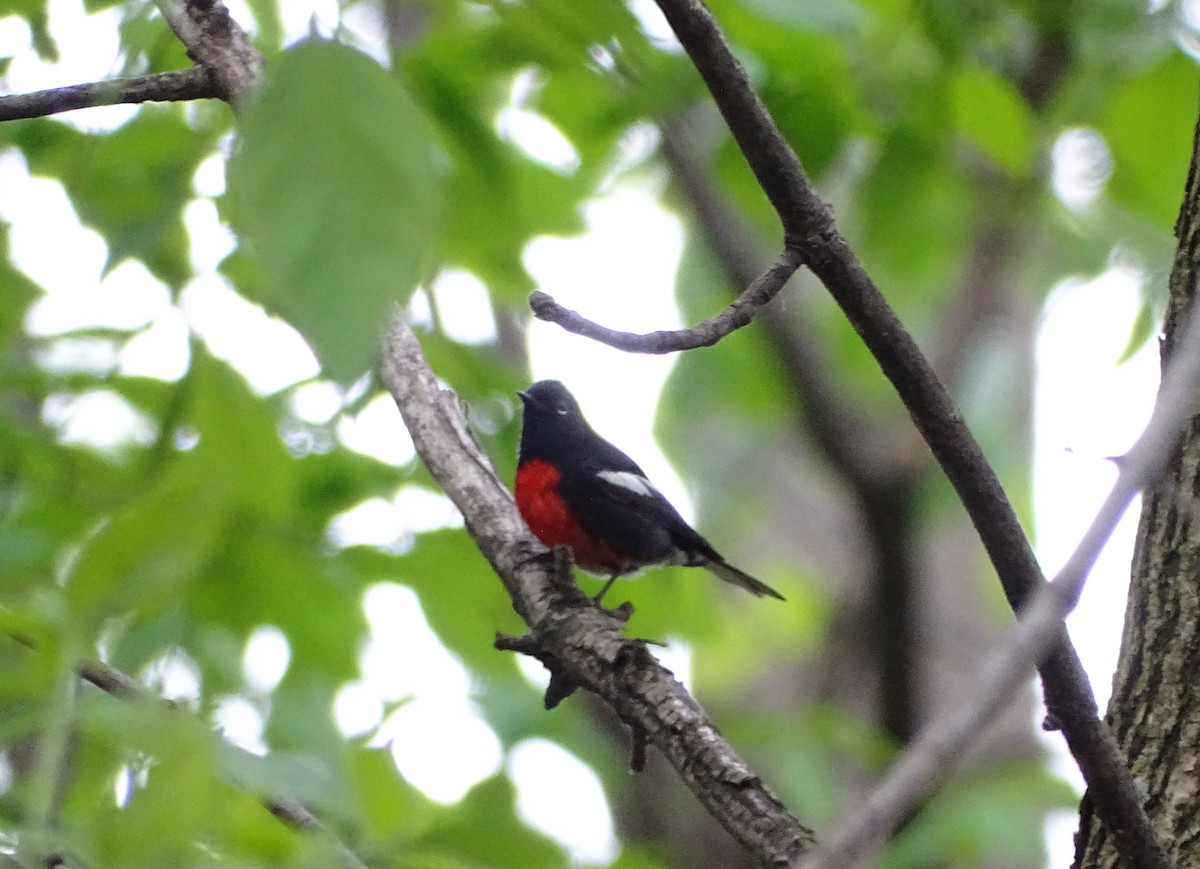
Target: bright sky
column 621, row 273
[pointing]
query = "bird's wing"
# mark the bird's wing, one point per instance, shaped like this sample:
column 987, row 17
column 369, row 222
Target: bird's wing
column 623, row 505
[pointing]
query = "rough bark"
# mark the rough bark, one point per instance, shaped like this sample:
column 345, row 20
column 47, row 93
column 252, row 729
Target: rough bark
column 1155, row 708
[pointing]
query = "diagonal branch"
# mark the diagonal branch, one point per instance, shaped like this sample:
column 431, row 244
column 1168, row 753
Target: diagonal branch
column 580, row 643
column 935, row 752
column 879, row 468
column 808, row 228
column 196, row 83
column 739, row 313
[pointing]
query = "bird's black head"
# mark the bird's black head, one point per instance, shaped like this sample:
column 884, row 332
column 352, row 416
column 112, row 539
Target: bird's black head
column 551, row 398
column 552, row 419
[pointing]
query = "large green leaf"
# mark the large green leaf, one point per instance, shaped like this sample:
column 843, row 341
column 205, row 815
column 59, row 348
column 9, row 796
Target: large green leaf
column 337, row 186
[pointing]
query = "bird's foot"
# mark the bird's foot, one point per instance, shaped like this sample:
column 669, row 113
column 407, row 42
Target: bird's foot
column 622, row 612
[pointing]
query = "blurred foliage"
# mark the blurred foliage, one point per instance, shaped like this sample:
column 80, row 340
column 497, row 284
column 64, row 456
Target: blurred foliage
column 926, row 123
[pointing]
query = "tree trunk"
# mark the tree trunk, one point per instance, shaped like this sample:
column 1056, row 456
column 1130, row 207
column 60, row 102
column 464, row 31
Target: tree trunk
column 1155, row 707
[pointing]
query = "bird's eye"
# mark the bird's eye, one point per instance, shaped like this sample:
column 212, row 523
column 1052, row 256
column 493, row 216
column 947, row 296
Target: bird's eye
column 562, row 410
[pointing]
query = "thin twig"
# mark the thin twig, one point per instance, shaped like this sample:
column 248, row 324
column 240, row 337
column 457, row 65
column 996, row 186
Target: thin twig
column 739, row 313
column 196, row 83
column 936, row 751
column 881, row 466
column 808, row 228
column 580, row 643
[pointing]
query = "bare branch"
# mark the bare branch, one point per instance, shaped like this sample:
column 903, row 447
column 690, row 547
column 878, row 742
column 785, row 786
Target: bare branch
column 881, row 466
column 215, row 40
column 935, row 752
column 808, row 228
column 196, row 83
column 579, row 642
column 739, row 313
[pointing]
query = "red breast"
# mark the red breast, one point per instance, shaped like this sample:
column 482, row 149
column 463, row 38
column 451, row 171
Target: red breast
column 550, row 519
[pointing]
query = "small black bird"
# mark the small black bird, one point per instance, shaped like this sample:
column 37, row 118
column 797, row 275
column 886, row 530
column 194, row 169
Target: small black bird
column 576, row 489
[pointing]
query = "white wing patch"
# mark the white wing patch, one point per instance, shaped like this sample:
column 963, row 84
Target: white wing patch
column 630, row 482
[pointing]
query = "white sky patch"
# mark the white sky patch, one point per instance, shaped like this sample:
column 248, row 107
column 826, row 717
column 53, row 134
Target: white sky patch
column 15, row 37
column 129, row 297
column 464, row 307
column 209, row 178
column 299, row 18
column 1082, row 165
column 240, row 722
column 174, row 676
column 357, row 709
column 210, row 240
column 317, row 401
column 620, row 275
column 93, row 355
column 438, row 740
column 534, row 671
column 44, row 224
column 441, row 747
column 266, row 658
column 373, row 522
column 676, row 656
column 390, row 524
column 162, row 350
column 98, row 418
column 404, row 657
column 1087, row 409
column 655, row 25
column 268, row 352
column 538, row 137
column 560, row 796
column 378, row 431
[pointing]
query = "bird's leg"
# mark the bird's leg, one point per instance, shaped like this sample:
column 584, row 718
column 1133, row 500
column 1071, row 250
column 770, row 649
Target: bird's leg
column 600, row 595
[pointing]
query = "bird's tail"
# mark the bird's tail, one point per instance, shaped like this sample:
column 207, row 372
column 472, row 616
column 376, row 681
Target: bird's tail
column 726, row 571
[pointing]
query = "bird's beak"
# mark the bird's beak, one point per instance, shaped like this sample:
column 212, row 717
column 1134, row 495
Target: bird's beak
column 524, row 396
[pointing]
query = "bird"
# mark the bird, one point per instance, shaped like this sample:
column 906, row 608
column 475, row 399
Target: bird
column 575, row 489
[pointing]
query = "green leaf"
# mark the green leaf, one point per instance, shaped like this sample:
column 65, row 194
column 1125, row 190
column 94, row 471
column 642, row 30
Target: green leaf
column 987, row 812
column 129, row 185
column 145, row 555
column 1144, row 324
column 387, row 803
column 336, row 185
column 989, row 111
column 1148, row 125
column 497, row 837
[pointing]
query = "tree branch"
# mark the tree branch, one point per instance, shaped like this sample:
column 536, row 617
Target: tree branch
column 215, row 40
column 879, row 468
column 739, row 313
column 196, row 83
column 809, row 229
column 580, row 643
column 123, row 686
column 936, row 751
